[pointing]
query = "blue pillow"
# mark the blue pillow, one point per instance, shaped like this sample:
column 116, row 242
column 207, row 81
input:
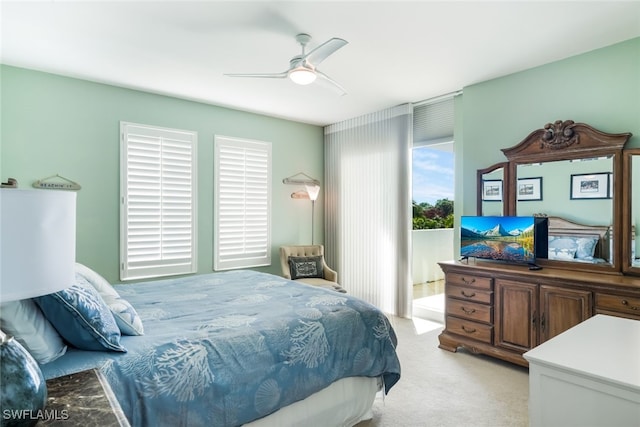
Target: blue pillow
column 586, row 246
column 81, row 317
column 127, row 318
column 583, row 247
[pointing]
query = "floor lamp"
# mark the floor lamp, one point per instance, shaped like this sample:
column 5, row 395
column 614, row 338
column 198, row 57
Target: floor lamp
column 312, row 187
column 313, row 190
column 37, row 257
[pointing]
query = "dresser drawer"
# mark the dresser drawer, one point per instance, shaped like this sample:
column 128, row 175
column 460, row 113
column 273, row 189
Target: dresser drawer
column 468, row 293
column 469, row 280
column 469, row 329
column 618, row 314
column 623, row 304
column 470, row 310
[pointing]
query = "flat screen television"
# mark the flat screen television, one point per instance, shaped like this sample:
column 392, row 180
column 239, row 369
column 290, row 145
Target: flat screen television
column 517, row 239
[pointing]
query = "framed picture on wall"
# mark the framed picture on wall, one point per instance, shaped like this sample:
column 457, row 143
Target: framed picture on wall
column 590, row 186
column 492, row 190
column 529, row 188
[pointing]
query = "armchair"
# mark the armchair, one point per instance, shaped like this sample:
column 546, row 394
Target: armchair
column 307, row 264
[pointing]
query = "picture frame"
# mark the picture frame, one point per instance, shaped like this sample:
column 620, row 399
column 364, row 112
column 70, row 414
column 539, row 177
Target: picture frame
column 492, row 190
column 529, row 189
column 590, row 186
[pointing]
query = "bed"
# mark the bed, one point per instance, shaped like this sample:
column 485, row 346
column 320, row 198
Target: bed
column 571, row 241
column 239, row 348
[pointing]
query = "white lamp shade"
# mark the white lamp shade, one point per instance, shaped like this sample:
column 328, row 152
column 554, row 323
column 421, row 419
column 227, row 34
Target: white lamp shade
column 302, row 75
column 38, row 242
column 313, row 191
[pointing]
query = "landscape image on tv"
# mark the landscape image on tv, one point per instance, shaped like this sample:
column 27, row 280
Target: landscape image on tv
column 504, row 238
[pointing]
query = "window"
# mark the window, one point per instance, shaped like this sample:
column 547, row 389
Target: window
column 158, row 201
column 242, row 206
column 433, row 164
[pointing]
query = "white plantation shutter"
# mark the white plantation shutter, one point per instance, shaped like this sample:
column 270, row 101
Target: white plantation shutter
column 242, row 211
column 158, row 202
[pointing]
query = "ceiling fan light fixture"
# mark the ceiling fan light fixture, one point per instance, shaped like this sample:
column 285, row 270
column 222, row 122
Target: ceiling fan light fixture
column 302, row 75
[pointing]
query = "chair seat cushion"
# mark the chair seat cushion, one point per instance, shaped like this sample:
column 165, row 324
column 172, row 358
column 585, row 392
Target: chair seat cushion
column 322, row 283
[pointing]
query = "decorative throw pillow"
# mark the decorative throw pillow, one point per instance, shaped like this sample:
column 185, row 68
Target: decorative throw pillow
column 559, row 243
column 562, row 254
column 81, row 317
column 583, row 247
column 126, row 316
column 24, row 320
column 306, row 267
column 586, row 246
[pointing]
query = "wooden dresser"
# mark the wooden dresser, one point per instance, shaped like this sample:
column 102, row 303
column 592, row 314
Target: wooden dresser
column 505, row 310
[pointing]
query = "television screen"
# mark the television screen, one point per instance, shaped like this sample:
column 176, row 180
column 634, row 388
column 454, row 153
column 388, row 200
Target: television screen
column 503, row 238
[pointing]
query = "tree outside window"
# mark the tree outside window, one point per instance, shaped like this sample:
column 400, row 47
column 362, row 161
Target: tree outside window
column 433, row 187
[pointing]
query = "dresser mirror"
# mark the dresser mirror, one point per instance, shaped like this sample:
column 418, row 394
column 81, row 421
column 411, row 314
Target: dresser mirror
column 569, row 172
column 631, row 211
column 579, row 191
column 491, row 184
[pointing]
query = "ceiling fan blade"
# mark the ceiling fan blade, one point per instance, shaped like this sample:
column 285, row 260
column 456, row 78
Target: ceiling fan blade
column 332, row 82
column 320, row 53
column 263, row 75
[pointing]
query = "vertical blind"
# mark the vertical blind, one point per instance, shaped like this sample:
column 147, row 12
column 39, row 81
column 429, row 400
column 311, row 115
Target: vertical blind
column 368, row 206
column 242, row 214
column 158, row 201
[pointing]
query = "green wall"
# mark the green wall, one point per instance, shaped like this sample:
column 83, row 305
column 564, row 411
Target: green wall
column 52, row 124
column 58, row 125
column 600, row 88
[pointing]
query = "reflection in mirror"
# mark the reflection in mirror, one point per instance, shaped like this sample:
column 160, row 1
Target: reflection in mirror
column 635, row 210
column 579, row 191
column 492, row 190
column 493, row 193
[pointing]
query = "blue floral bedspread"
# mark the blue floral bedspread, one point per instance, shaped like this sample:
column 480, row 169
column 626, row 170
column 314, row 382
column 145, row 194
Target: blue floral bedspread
column 224, row 349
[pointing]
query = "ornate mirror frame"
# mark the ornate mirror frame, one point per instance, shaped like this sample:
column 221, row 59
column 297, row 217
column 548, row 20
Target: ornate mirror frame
column 567, row 140
column 628, row 214
column 480, row 182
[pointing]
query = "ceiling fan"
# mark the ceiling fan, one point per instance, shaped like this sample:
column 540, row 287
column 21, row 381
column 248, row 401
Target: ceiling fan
column 303, row 68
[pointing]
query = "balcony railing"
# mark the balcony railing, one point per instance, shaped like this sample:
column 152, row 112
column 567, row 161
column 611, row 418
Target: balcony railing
column 430, row 247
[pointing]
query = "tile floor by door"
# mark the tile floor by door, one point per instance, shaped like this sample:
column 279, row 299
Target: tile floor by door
column 428, row 301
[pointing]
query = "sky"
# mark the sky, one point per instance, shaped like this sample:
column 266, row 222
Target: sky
column 483, row 223
column 432, row 175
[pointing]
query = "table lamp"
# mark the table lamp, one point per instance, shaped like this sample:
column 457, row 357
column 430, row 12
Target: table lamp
column 37, row 257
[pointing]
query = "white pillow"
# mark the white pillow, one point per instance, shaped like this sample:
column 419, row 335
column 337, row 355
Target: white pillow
column 24, row 320
column 126, row 316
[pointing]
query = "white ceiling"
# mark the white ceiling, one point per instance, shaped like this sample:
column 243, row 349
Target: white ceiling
column 398, row 51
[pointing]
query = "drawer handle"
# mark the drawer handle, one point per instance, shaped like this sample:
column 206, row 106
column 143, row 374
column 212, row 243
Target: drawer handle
column 468, row 282
column 471, row 295
column 468, row 330
column 632, row 307
column 473, row 310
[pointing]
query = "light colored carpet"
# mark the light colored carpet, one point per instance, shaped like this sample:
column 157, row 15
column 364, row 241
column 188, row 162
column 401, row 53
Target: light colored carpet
column 440, row 388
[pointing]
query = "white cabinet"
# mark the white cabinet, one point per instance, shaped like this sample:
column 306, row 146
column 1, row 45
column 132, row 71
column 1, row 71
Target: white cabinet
column 588, row 375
